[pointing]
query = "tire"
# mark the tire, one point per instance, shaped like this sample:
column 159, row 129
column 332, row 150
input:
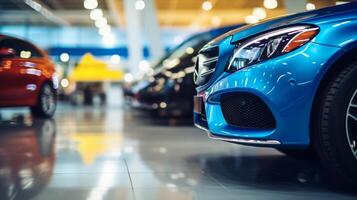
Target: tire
column 335, row 121
column 47, row 101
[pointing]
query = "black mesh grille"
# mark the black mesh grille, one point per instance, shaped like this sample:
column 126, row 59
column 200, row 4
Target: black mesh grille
column 246, row 110
column 205, row 65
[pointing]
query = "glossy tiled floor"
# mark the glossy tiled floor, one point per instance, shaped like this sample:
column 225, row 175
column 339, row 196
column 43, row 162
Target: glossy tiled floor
column 110, row 153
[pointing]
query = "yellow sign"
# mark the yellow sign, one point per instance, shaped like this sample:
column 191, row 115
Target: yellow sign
column 90, row 69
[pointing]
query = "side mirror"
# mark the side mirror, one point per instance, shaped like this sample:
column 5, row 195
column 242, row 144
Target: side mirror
column 6, row 52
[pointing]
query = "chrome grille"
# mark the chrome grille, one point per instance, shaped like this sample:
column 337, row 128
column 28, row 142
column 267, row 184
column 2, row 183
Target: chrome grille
column 205, row 65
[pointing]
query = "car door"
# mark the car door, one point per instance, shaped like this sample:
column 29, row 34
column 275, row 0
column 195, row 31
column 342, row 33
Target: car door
column 20, row 74
column 9, row 73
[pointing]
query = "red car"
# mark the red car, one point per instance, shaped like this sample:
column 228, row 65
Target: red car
column 26, row 77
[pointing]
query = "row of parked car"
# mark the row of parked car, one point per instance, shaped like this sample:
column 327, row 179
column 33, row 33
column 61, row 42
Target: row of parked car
column 169, row 91
column 288, row 83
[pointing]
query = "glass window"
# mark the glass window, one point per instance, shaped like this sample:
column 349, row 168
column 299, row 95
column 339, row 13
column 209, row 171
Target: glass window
column 186, row 51
column 189, row 47
column 23, row 49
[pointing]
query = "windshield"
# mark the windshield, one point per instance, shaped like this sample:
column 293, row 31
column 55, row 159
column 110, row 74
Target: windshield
column 187, row 50
column 180, row 50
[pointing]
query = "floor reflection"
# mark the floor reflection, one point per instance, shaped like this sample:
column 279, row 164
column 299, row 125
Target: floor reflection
column 182, row 163
column 26, row 156
column 270, row 171
column 148, row 118
column 271, row 176
column 105, row 153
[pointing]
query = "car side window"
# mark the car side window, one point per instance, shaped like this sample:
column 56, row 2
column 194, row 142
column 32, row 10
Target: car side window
column 23, row 49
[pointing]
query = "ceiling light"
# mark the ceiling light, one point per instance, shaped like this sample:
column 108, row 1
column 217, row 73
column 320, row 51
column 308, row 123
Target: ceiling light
column 108, row 40
column 46, row 12
column 270, row 4
column 128, row 77
column 33, row 4
column 139, row 4
column 310, row 6
column 90, row 4
column 251, row 19
column 96, row 14
column 260, row 13
column 207, row 6
column 115, row 59
column 104, row 30
column 216, row 21
column 101, row 22
column 64, row 57
column 144, row 65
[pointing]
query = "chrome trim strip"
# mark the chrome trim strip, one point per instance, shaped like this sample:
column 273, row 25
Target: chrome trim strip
column 207, row 48
column 208, row 72
column 201, row 127
column 210, row 60
column 244, row 141
column 239, row 140
column 207, row 59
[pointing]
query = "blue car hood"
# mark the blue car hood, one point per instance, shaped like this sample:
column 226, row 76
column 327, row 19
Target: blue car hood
column 317, row 17
column 326, row 19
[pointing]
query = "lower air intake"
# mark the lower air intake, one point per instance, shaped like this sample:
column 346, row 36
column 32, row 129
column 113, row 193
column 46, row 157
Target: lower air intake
column 246, row 110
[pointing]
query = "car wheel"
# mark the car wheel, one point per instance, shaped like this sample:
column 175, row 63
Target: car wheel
column 47, row 101
column 335, row 133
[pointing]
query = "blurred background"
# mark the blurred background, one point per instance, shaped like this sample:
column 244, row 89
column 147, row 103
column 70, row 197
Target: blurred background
column 125, row 38
column 123, row 127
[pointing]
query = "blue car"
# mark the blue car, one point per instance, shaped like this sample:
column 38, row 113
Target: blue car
column 288, row 83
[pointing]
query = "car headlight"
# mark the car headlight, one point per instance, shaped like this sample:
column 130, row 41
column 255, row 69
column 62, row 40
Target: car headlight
column 270, row 45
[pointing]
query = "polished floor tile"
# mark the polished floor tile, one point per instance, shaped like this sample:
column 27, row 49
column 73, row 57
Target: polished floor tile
column 95, row 153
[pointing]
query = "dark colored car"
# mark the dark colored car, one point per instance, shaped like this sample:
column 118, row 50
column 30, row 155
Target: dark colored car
column 170, row 91
column 26, row 77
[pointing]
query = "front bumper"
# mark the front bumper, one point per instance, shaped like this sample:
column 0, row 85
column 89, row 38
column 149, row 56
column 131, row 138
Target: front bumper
column 286, row 84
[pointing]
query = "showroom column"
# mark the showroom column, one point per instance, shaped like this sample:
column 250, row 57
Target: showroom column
column 134, row 37
column 152, row 28
column 294, row 6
